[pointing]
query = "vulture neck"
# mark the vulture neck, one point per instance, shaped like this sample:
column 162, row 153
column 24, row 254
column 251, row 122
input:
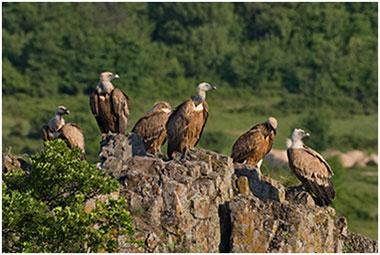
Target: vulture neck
column 201, row 96
column 297, row 144
column 105, row 87
column 57, row 122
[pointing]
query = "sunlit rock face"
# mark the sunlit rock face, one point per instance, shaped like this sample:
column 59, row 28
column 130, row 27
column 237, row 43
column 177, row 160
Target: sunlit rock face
column 205, row 203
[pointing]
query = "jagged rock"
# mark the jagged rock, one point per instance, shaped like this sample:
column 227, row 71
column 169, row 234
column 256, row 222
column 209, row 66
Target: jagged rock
column 116, row 149
column 358, row 243
column 261, row 186
column 205, row 203
column 281, row 227
column 299, row 196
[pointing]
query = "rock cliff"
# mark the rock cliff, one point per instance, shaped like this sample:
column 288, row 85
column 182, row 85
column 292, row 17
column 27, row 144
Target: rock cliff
column 205, row 203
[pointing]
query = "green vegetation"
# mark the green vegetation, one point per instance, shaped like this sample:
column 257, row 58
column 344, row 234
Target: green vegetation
column 311, row 65
column 44, row 209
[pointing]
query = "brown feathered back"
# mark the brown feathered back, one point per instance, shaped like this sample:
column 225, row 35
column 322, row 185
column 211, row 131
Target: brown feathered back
column 253, row 145
column 185, row 126
column 111, row 111
column 152, row 127
column 314, row 172
column 72, row 134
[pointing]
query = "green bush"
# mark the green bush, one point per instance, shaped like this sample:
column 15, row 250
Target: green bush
column 44, row 209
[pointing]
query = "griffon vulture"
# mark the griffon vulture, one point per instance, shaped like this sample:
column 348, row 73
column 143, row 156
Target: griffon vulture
column 109, row 105
column 186, row 123
column 252, row 146
column 152, row 127
column 71, row 133
column 50, row 131
column 310, row 168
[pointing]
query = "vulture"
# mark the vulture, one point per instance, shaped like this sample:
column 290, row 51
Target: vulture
column 109, row 105
column 71, row 133
column 252, row 146
column 310, row 168
column 186, row 123
column 152, row 127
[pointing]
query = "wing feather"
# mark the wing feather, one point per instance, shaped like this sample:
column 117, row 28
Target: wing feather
column 177, row 124
column 119, row 101
column 151, row 127
column 72, row 134
column 314, row 172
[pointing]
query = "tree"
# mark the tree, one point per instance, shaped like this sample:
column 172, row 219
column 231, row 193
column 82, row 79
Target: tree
column 44, row 208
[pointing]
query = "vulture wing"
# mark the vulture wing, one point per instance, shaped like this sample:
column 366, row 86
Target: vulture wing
column 177, row 124
column 204, row 120
column 254, row 143
column 120, row 108
column 46, row 134
column 72, row 134
column 151, row 126
column 94, row 103
column 314, row 172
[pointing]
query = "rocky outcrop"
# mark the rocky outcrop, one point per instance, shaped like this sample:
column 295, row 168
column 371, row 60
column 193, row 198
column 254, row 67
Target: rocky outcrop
column 205, row 203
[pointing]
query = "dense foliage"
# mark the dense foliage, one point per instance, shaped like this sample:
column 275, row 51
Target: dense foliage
column 44, row 208
column 309, row 53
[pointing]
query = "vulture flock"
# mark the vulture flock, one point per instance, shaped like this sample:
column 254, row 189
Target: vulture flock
column 183, row 127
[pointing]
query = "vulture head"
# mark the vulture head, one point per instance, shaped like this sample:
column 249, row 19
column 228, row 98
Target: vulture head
column 105, row 86
column 162, row 106
column 298, row 135
column 108, row 76
column 272, row 122
column 204, row 86
column 62, row 110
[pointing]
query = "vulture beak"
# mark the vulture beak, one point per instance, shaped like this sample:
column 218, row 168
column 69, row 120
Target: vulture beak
column 67, row 112
column 116, row 76
column 307, row 134
column 213, row 87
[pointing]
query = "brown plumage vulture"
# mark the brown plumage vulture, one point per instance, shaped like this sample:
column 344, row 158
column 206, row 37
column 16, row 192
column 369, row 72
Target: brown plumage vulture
column 71, row 133
column 252, row 146
column 109, row 105
column 186, row 123
column 152, row 127
column 311, row 169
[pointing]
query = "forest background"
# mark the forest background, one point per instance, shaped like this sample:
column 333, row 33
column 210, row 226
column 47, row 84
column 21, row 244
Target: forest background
column 311, row 65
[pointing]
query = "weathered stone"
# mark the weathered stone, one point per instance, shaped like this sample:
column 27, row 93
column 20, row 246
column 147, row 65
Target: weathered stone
column 205, row 203
column 243, row 185
column 261, row 186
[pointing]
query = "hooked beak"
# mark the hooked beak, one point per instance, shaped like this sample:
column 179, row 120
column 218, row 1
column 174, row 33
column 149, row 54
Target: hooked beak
column 307, row 134
column 67, row 112
column 213, row 87
column 116, row 76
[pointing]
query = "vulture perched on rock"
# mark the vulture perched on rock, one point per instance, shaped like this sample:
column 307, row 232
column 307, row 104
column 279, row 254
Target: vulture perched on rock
column 310, row 168
column 152, row 127
column 71, row 133
column 186, row 123
column 109, row 105
column 252, row 146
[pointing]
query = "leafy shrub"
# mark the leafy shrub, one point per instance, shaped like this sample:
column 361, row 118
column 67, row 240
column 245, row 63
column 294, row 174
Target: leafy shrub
column 44, row 208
